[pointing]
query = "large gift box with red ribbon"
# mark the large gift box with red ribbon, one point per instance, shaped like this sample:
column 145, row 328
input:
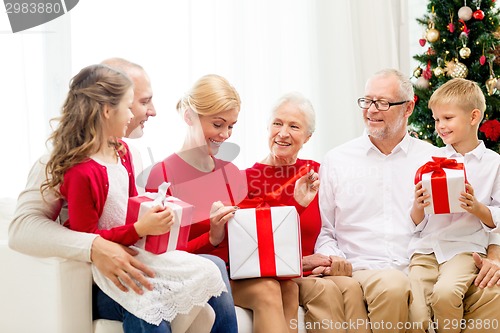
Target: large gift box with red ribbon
column 177, row 237
column 444, row 179
column 264, row 242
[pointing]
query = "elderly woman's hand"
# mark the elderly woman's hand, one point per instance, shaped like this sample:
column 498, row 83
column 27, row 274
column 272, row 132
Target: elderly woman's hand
column 306, row 188
column 219, row 215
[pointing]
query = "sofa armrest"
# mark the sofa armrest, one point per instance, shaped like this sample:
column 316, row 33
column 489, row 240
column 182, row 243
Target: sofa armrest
column 51, row 295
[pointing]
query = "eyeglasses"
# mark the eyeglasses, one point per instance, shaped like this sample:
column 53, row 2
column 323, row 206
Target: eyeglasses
column 381, row 105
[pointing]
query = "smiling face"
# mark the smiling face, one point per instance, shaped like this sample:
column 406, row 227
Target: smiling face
column 217, row 128
column 455, row 126
column 288, row 131
column 119, row 117
column 390, row 124
column 142, row 106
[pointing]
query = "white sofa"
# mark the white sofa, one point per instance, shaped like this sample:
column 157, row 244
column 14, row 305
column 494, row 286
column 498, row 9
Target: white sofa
column 53, row 295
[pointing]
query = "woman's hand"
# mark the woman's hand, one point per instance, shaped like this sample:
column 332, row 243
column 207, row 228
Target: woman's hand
column 157, row 221
column 315, row 260
column 306, row 188
column 219, row 215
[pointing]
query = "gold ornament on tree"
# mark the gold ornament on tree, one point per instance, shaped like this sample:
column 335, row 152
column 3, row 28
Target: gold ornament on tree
column 432, row 34
column 439, row 71
column 464, row 51
column 417, row 72
column 456, row 69
column 491, row 83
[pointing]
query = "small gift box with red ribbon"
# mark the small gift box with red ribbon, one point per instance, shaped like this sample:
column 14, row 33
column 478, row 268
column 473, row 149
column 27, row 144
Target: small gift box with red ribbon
column 177, row 237
column 444, row 179
column 265, row 241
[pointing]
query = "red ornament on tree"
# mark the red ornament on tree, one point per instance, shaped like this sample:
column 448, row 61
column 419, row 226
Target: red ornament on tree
column 451, row 27
column 422, row 41
column 482, row 60
column 478, row 14
column 491, row 129
column 415, row 98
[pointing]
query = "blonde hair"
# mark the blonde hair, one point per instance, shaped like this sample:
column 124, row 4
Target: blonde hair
column 210, row 95
column 79, row 132
column 463, row 93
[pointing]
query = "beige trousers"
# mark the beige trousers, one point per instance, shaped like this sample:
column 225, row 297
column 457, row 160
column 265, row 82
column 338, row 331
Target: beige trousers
column 438, row 291
column 332, row 304
column 387, row 295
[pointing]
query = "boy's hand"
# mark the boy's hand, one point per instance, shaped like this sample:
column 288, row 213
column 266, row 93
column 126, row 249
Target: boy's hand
column 421, row 197
column 476, row 208
column 157, row 221
column 419, row 203
column 469, row 201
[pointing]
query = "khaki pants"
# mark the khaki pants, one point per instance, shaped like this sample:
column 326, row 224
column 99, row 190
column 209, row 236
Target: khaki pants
column 438, row 290
column 332, row 304
column 387, row 295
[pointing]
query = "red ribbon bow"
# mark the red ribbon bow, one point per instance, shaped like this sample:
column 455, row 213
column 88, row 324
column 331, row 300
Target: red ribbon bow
column 437, row 166
column 438, row 180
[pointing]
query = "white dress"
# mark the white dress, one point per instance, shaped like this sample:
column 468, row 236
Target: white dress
column 182, row 280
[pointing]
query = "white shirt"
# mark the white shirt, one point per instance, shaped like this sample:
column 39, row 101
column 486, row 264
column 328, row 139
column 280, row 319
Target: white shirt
column 447, row 235
column 364, row 200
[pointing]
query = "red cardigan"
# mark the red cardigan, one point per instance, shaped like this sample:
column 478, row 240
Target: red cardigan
column 200, row 189
column 266, row 178
column 85, row 188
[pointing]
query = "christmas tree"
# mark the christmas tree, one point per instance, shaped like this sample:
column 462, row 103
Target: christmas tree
column 460, row 39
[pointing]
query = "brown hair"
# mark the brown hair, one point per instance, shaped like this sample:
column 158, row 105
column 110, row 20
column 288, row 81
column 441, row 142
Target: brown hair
column 79, row 131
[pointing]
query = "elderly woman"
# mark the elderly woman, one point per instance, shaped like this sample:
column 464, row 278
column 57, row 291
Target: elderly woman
column 328, row 300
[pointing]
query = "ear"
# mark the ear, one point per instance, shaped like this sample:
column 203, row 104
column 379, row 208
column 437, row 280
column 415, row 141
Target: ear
column 475, row 117
column 106, row 111
column 307, row 139
column 410, row 105
column 188, row 116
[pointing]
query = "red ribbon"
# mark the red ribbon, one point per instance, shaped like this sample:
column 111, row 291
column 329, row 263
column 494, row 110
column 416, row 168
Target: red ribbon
column 265, row 238
column 438, row 181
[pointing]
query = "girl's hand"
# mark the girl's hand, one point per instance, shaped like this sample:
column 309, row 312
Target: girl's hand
column 219, row 215
column 157, row 221
column 306, row 188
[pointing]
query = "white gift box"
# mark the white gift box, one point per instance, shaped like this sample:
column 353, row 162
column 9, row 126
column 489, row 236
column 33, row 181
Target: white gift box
column 177, row 237
column 268, row 246
column 446, row 188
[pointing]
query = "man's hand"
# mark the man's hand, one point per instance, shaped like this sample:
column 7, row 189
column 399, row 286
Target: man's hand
column 339, row 267
column 117, row 261
column 489, row 271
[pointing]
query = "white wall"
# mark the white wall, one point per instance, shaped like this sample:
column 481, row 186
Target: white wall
column 325, row 49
